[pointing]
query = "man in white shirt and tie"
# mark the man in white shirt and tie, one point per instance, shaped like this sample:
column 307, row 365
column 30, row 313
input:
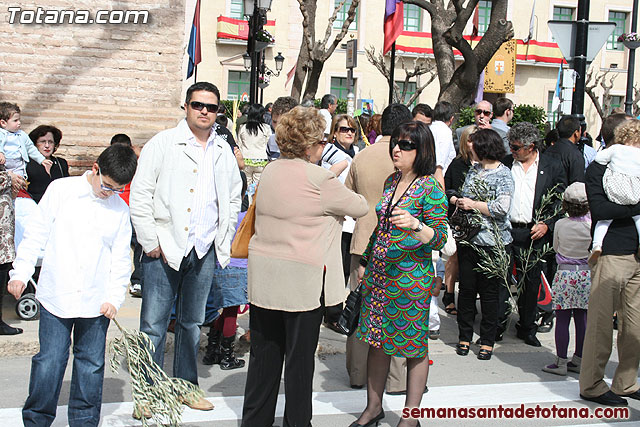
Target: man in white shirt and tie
column 185, row 200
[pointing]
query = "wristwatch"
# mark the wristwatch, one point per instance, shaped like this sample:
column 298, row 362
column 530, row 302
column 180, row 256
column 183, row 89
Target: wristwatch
column 419, row 227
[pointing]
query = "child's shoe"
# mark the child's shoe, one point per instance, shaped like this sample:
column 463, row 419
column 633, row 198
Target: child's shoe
column 558, row 368
column 434, row 334
column 574, row 364
column 593, row 258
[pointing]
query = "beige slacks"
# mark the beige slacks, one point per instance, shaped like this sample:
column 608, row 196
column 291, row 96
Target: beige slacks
column 615, row 286
column 357, row 351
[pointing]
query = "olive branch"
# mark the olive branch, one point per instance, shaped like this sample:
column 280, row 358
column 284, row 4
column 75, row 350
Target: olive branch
column 529, row 258
column 151, row 388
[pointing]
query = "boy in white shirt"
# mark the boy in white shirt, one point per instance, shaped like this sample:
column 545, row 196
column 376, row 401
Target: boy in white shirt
column 85, row 231
column 15, row 146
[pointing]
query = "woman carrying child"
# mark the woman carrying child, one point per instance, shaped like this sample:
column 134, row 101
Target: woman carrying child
column 572, row 281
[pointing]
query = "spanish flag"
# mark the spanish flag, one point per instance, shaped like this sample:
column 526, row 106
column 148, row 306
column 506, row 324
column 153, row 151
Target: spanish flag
column 393, row 22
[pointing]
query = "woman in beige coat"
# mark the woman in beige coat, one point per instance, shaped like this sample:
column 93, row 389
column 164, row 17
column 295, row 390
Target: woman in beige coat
column 295, row 268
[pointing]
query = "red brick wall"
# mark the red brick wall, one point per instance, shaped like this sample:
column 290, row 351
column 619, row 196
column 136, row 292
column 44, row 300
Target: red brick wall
column 95, row 80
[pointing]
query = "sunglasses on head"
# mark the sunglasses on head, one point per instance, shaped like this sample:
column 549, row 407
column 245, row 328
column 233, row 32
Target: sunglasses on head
column 345, row 129
column 481, row 111
column 196, row 105
column 404, row 144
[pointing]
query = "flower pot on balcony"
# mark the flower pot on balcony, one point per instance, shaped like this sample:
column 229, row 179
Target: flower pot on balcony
column 260, row 46
column 631, row 44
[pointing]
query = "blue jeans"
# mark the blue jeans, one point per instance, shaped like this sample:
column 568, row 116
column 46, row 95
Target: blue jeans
column 48, row 366
column 191, row 285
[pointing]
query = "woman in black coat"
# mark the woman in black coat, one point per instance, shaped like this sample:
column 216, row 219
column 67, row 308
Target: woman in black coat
column 47, row 140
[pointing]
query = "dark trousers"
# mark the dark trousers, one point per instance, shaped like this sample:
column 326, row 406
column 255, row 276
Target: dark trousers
column 332, row 313
column 528, row 299
column 277, row 337
column 137, row 277
column 471, row 284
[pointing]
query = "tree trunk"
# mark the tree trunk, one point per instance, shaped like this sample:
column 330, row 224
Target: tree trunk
column 301, row 71
column 313, row 77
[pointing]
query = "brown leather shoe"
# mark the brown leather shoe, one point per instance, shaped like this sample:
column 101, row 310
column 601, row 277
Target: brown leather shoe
column 141, row 411
column 198, row 403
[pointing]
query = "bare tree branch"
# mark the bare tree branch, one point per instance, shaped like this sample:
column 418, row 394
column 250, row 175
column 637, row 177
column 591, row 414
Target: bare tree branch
column 351, row 14
column 308, row 28
column 332, row 19
column 423, row 4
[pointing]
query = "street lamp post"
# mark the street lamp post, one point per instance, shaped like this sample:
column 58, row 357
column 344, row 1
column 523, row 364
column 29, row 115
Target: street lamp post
column 256, row 11
column 628, row 102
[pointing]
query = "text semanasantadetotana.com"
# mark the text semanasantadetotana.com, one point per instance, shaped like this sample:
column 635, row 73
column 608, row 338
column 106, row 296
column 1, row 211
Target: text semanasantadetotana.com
column 18, row 15
column 518, row 412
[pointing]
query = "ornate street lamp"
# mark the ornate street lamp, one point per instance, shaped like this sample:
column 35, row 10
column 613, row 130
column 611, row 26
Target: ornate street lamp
column 256, row 11
column 279, row 62
column 246, row 59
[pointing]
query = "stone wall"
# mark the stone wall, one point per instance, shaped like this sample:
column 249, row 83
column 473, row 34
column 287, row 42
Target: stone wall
column 95, row 80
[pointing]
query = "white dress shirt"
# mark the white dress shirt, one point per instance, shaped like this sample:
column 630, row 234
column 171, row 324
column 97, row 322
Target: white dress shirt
column 203, row 221
column 328, row 118
column 525, row 190
column 86, row 242
column 445, row 151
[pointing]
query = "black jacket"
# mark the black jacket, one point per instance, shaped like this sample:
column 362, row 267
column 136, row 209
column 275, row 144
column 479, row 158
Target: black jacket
column 571, row 158
column 550, row 175
column 454, row 178
column 622, row 237
column 39, row 179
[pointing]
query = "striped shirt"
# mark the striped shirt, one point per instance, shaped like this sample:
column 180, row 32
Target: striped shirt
column 203, row 222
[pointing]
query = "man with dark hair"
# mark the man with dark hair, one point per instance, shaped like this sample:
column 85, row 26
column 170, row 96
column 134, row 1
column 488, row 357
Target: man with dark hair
column 502, row 115
column 422, row 113
column 84, row 229
column 328, row 106
column 281, row 106
column 566, row 151
column 369, row 169
column 608, row 126
column 535, row 175
column 441, row 129
column 185, row 200
column 615, row 280
column 121, row 138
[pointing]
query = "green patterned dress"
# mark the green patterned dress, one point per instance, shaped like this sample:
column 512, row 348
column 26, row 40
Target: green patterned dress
column 399, row 277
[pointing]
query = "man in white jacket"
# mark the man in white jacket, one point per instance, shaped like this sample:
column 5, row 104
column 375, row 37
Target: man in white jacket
column 185, row 199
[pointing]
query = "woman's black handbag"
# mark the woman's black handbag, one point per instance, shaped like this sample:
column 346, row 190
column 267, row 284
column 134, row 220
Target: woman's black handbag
column 465, row 225
column 348, row 321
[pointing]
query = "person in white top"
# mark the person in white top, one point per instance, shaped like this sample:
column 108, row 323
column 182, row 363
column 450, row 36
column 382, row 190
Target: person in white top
column 85, row 232
column 621, row 180
column 328, row 106
column 185, row 200
column 440, row 127
column 252, row 140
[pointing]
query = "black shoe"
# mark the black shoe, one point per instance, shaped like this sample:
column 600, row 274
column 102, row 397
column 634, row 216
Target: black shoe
column 357, row 386
column 229, row 359
column 532, row 341
column 635, row 395
column 462, row 349
column 374, row 422
column 484, row 354
column 545, row 327
column 608, row 399
column 213, row 356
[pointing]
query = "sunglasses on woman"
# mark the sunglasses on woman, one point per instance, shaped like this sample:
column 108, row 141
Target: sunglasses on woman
column 404, row 144
column 212, row 108
column 345, row 129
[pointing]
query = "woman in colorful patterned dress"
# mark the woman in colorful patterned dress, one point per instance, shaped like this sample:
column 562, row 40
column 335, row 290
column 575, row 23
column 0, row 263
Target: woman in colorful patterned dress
column 397, row 272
